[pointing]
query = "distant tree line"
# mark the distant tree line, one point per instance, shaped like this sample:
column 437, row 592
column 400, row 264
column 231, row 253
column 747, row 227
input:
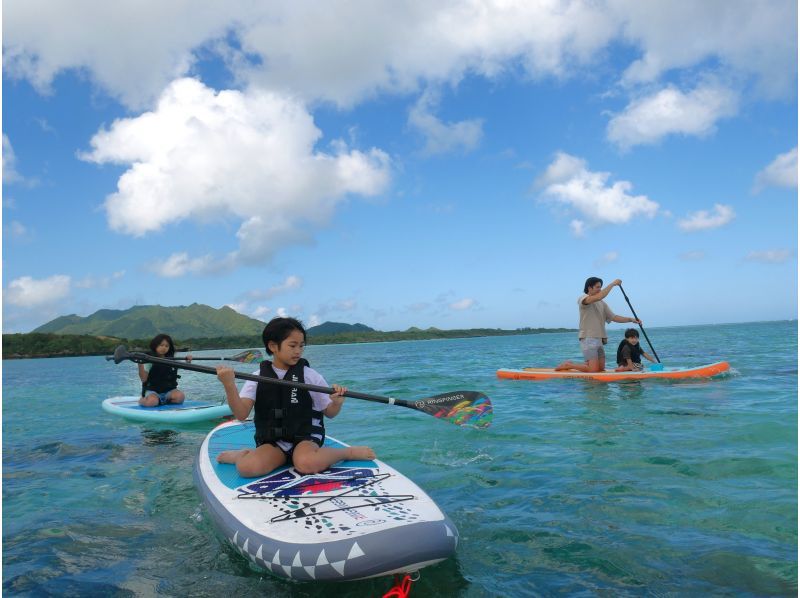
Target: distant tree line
column 36, row 344
column 417, row 334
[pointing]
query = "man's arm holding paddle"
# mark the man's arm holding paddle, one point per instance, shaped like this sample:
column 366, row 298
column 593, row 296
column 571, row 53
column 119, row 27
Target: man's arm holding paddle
column 589, row 299
column 625, row 320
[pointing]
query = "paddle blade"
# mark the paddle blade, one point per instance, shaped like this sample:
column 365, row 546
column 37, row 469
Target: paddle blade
column 462, row 408
column 247, row 357
column 121, row 353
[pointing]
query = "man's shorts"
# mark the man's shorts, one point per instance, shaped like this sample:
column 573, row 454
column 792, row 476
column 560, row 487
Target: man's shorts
column 592, row 348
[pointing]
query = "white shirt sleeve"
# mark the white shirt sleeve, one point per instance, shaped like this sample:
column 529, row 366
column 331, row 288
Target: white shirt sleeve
column 249, row 388
column 321, row 400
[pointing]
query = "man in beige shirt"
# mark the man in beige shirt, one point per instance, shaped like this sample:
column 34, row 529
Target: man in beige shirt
column 594, row 314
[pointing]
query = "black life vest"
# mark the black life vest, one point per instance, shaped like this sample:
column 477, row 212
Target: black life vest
column 161, row 378
column 285, row 412
column 636, row 353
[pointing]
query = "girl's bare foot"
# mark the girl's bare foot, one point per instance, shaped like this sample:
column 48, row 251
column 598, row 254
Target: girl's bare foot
column 231, row 456
column 360, row 453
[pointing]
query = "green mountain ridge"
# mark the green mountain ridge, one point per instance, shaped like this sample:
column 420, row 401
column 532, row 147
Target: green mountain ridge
column 199, row 327
column 333, row 328
column 143, row 321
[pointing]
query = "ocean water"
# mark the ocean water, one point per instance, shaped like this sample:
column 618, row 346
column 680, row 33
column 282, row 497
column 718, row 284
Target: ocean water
column 579, row 488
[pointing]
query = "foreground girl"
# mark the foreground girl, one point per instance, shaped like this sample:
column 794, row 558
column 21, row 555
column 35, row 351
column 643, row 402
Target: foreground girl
column 289, row 421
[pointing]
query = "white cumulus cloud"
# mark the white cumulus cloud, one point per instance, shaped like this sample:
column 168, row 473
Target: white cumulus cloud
column 441, row 137
column 781, row 172
column 569, row 183
column 770, row 256
column 462, row 304
column 238, row 307
column 705, row 220
column 607, row 258
column 15, row 230
column 261, row 312
column 101, row 282
column 250, row 302
column 755, row 39
column 132, row 48
column 180, row 264
column 578, row 227
column 291, row 283
column 10, row 173
column 28, row 292
column 354, row 50
column 672, row 112
column 251, row 155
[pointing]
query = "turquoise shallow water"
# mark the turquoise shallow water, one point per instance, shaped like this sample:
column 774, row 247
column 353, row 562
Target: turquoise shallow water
column 578, row 488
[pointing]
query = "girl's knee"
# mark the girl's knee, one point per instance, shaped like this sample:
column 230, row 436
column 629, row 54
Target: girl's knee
column 306, row 464
column 254, row 463
column 246, row 469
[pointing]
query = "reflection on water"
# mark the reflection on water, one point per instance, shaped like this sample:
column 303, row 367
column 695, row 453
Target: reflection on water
column 159, row 437
column 603, row 391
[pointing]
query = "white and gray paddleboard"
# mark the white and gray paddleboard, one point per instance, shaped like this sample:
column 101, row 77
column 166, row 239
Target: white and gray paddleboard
column 357, row 519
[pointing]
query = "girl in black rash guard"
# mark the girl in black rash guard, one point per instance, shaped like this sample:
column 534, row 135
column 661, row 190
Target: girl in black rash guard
column 160, row 381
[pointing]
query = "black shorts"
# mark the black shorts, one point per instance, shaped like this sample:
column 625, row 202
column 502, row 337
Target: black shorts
column 286, row 447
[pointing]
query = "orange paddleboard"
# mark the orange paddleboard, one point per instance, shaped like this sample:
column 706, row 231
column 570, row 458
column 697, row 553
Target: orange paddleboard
column 671, row 373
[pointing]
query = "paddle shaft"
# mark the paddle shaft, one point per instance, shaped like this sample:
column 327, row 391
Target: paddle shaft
column 242, row 376
column 243, row 357
column 208, row 359
column 109, row 358
column 640, row 324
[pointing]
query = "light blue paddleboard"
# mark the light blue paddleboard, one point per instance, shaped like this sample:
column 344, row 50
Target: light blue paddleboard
column 187, row 412
column 355, row 520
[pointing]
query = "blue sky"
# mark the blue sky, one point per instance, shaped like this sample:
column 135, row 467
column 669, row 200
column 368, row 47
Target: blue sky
column 449, row 164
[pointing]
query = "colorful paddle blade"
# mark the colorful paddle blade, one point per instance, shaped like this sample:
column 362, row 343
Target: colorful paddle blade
column 461, row 407
column 255, row 356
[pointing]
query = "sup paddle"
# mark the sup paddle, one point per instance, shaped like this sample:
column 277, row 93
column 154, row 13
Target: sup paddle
column 640, row 324
column 462, row 407
column 243, row 357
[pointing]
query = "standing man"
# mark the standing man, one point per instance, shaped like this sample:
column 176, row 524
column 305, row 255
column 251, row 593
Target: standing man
column 594, row 313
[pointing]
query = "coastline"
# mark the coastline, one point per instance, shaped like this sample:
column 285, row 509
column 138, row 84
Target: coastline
column 68, row 345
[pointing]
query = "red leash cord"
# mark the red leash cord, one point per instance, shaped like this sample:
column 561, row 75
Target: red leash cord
column 401, row 588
